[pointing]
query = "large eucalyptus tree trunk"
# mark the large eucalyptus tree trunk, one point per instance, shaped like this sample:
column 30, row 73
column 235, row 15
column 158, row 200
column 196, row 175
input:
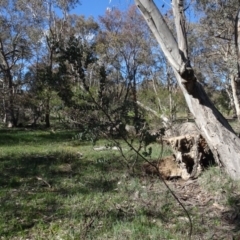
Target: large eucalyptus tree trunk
column 222, row 140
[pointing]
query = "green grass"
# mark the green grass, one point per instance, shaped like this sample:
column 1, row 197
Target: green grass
column 53, row 187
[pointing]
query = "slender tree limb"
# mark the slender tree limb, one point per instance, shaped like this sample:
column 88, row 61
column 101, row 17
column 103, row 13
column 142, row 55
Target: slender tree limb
column 162, row 117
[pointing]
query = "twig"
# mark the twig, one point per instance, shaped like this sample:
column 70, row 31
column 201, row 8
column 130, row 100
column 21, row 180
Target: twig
column 40, row 179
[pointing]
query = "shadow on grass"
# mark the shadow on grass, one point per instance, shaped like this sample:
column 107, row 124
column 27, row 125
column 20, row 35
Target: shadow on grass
column 14, row 137
column 55, row 167
column 43, row 189
column 232, row 215
column 32, row 188
column 19, row 216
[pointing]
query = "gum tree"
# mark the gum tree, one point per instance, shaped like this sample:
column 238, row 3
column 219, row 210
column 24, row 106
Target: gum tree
column 220, row 40
column 222, row 140
column 15, row 51
column 125, row 49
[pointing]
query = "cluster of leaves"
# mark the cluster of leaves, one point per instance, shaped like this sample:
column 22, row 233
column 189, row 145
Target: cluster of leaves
column 90, row 134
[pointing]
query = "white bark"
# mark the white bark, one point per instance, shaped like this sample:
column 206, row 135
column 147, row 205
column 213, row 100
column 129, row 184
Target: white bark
column 230, row 96
column 237, row 38
column 221, row 139
column 180, row 27
column 161, row 31
column 235, row 86
column 235, row 81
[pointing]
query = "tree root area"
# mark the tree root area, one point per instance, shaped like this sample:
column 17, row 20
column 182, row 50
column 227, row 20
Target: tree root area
column 166, row 167
column 212, row 216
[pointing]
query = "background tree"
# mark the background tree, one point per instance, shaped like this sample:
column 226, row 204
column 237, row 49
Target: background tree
column 50, row 34
column 15, row 51
column 218, row 30
column 125, row 49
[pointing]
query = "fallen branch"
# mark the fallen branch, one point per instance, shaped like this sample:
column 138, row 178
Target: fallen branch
column 104, row 148
column 40, row 179
column 165, row 120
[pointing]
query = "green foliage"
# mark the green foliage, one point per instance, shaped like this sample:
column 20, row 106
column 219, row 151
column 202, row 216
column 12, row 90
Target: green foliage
column 147, row 154
column 172, row 103
column 90, row 134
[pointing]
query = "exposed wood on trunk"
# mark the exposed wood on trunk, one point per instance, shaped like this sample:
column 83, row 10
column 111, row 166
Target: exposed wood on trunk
column 215, row 129
column 190, row 149
column 191, row 153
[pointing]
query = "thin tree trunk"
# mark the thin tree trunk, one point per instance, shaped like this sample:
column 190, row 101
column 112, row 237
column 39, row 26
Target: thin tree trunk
column 12, row 122
column 47, row 114
column 235, row 81
column 4, row 110
column 134, row 92
column 235, row 84
column 155, row 90
column 11, row 119
column 232, row 104
column 222, row 140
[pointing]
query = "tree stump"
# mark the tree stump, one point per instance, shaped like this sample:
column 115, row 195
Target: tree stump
column 190, row 149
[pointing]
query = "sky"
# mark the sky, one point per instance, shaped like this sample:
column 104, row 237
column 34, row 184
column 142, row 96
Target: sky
column 97, row 8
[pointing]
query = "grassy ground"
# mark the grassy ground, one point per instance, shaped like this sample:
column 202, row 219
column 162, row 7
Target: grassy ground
column 53, row 187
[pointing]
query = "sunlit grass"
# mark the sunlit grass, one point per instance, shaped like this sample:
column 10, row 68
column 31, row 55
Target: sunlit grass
column 55, row 187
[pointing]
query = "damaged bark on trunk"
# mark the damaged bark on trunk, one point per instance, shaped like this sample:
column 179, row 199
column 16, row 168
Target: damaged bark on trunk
column 220, row 137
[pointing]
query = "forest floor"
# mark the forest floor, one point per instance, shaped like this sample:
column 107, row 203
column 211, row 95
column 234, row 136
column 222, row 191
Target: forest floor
column 53, row 186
